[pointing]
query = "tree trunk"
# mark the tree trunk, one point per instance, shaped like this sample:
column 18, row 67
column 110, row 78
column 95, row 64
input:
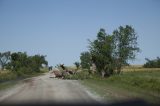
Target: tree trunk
column 2, row 67
column 119, row 70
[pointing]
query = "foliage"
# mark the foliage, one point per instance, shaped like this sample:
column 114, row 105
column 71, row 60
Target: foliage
column 155, row 63
column 125, row 46
column 4, row 59
column 101, row 52
column 7, row 75
column 18, row 60
column 85, row 60
column 112, row 52
column 77, row 64
column 21, row 63
column 37, row 61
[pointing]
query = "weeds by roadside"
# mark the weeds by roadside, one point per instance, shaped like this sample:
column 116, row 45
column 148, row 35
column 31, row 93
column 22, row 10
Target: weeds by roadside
column 9, row 78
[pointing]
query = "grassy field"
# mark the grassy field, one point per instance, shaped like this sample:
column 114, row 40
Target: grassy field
column 137, row 83
column 138, row 68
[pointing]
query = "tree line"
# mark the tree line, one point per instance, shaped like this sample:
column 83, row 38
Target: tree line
column 155, row 63
column 110, row 52
column 20, row 62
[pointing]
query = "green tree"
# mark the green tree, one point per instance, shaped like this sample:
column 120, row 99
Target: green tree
column 37, row 61
column 4, row 59
column 155, row 63
column 111, row 52
column 77, row 64
column 18, row 59
column 27, row 64
column 85, row 60
column 101, row 53
column 125, row 46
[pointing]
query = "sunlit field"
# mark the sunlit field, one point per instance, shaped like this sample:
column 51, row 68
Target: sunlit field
column 138, row 68
column 135, row 82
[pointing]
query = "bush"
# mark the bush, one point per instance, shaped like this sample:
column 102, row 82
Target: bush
column 22, row 71
column 8, row 75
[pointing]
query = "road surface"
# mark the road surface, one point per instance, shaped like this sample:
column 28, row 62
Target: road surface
column 43, row 89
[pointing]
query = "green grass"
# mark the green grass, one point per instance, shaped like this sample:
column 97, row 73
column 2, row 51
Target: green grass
column 8, row 84
column 128, row 85
column 10, row 78
column 7, row 75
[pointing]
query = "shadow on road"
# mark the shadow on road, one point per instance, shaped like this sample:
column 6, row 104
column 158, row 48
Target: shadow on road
column 124, row 103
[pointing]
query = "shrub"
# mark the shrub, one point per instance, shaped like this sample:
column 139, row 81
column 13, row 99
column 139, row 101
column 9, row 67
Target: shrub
column 9, row 75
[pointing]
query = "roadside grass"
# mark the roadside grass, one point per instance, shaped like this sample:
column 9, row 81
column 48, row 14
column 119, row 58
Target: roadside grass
column 7, row 84
column 7, row 75
column 143, row 85
column 9, row 78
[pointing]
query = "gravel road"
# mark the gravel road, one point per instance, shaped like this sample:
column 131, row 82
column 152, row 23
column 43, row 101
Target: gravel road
column 42, row 89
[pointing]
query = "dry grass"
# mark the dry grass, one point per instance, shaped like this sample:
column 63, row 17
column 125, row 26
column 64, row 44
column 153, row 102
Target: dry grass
column 4, row 71
column 138, row 68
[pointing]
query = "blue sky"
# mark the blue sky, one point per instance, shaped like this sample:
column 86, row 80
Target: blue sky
column 60, row 28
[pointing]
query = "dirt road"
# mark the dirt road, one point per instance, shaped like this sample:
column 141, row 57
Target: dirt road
column 43, row 89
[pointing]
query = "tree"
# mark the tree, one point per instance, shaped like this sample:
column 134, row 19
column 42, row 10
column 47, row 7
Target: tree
column 158, row 62
column 111, row 52
column 125, row 46
column 37, row 61
column 101, row 53
column 4, row 59
column 155, row 63
column 77, row 64
column 21, row 61
column 85, row 60
column 18, row 60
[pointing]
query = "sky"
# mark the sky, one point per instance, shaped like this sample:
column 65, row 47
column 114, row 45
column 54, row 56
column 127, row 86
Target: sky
column 60, row 28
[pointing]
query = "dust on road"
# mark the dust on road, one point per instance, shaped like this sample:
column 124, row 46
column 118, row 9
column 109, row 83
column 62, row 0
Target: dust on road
column 43, row 89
